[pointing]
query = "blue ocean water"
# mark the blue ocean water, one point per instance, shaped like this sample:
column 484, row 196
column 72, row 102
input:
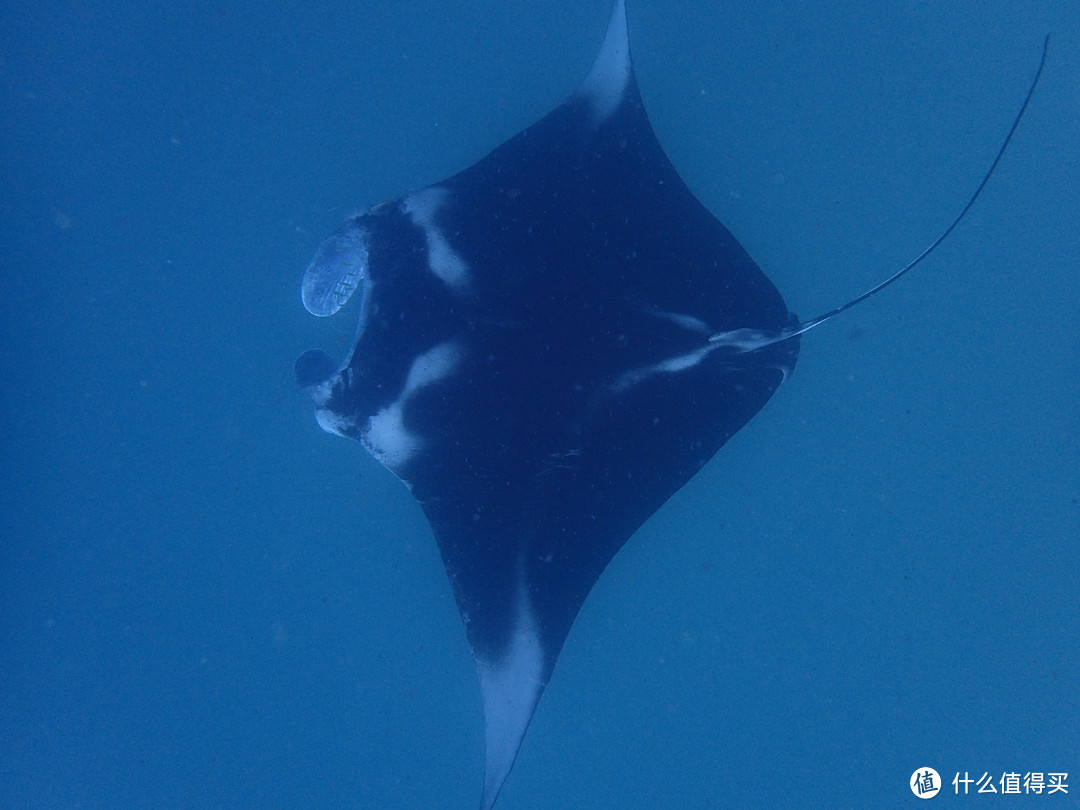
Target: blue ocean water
column 207, row 602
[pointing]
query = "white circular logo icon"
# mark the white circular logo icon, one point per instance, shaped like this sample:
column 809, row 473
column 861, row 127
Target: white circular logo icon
column 925, row 783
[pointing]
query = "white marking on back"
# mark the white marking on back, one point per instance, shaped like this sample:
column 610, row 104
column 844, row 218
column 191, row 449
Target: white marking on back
column 387, row 438
column 688, row 322
column 742, row 341
column 385, row 435
column 422, row 207
column 511, row 687
column 606, row 84
column 671, row 365
column 733, row 342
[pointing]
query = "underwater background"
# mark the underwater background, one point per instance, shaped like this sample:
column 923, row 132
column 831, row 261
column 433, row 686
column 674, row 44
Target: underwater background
column 207, row 602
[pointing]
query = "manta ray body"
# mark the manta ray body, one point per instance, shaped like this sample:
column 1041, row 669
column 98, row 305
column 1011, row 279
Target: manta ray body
column 550, row 344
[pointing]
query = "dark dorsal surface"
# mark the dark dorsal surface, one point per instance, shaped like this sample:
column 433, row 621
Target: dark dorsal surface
column 551, row 343
column 534, row 362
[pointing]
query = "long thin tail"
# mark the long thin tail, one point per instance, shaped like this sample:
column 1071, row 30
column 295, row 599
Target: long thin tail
column 810, row 324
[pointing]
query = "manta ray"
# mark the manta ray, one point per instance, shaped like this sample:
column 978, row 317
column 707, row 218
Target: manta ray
column 551, row 343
